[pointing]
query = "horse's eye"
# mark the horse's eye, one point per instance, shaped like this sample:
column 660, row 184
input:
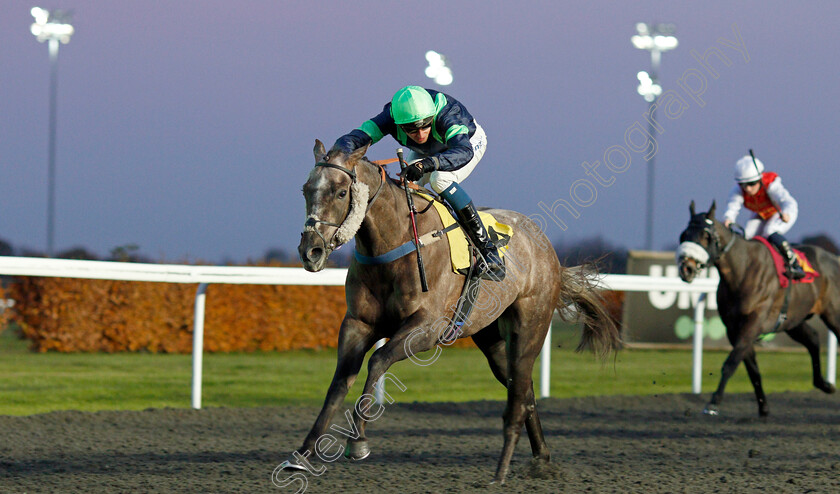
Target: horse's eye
column 342, row 194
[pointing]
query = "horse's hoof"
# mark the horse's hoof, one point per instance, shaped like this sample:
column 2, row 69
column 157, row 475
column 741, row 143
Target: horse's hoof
column 711, row 410
column 357, row 450
column 291, row 464
column 826, row 387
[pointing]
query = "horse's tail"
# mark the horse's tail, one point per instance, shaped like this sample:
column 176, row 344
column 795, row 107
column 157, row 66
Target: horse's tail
column 601, row 331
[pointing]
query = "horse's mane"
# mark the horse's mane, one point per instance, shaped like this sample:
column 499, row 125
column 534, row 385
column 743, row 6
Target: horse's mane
column 395, row 182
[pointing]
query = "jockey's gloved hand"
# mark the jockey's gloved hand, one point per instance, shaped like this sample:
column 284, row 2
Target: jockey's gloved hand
column 416, row 170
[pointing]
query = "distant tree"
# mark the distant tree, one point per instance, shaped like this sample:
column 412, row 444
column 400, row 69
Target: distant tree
column 29, row 252
column 6, row 248
column 340, row 259
column 279, row 255
column 822, row 240
column 128, row 253
column 77, row 253
column 607, row 257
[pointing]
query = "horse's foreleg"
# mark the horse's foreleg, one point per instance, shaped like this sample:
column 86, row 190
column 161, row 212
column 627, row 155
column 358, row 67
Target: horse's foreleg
column 751, row 364
column 808, row 337
column 354, row 340
column 413, row 338
column 729, row 366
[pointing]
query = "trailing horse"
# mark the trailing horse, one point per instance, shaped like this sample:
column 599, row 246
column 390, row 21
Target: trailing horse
column 751, row 301
column 346, row 196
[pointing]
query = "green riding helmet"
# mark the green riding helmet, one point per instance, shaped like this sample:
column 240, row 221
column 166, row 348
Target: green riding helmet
column 412, row 104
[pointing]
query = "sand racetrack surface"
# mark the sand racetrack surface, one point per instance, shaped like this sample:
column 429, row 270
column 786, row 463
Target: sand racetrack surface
column 607, row 444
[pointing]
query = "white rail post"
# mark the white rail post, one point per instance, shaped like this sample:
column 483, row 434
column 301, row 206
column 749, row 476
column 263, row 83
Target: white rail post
column 198, row 344
column 831, row 366
column 697, row 358
column 545, row 365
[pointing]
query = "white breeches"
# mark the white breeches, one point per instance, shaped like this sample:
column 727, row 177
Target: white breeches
column 441, row 180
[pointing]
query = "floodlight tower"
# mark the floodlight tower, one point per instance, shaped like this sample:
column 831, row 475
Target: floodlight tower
column 54, row 27
column 657, row 39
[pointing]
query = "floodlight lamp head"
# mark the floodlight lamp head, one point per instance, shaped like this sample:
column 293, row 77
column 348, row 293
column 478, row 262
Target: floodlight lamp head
column 654, row 37
column 642, row 42
column 438, row 70
column 51, row 25
column 434, row 58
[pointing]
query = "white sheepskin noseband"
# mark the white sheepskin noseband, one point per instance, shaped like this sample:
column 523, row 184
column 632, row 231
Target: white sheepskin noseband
column 692, row 250
column 358, row 207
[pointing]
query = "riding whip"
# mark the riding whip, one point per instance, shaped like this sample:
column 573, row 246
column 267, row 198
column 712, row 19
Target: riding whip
column 761, row 183
column 411, row 212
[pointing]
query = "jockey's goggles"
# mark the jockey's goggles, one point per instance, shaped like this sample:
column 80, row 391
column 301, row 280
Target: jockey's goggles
column 749, row 184
column 418, row 125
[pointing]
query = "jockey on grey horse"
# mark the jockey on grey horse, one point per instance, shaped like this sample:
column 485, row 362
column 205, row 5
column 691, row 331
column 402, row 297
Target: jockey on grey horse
column 774, row 208
column 448, row 143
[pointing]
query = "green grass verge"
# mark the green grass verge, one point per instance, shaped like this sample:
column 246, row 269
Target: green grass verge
column 41, row 382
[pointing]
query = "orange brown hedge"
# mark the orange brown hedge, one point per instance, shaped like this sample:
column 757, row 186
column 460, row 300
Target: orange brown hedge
column 76, row 315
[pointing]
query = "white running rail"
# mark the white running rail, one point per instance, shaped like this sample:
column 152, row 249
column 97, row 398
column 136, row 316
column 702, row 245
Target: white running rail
column 204, row 275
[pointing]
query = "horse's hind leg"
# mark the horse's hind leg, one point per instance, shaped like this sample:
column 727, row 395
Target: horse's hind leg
column 493, row 346
column 810, row 339
column 524, row 332
column 751, row 364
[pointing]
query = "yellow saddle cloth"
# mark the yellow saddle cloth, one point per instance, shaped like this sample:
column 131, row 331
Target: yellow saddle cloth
column 458, row 243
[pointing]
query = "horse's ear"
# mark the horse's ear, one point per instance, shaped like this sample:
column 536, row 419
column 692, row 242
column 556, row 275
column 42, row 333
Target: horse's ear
column 359, row 153
column 711, row 213
column 691, row 208
column 320, row 151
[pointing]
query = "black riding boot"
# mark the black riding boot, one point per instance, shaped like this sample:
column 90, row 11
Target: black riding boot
column 795, row 271
column 493, row 264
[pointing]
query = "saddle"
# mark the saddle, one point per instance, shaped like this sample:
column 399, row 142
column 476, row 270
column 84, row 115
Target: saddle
column 460, row 250
column 781, row 265
column 462, row 254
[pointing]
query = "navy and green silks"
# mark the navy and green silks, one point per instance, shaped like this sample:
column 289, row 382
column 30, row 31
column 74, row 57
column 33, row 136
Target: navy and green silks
column 449, row 141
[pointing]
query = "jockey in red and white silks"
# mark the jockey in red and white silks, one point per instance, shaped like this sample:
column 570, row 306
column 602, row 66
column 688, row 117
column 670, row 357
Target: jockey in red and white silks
column 774, row 210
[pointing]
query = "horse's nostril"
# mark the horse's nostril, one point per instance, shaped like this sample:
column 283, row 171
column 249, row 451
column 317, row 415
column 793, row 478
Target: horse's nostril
column 315, row 254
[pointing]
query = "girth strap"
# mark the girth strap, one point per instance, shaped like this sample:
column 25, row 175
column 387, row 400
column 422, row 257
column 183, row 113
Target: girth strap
column 404, row 249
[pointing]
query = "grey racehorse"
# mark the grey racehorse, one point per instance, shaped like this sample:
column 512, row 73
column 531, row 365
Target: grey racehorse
column 347, row 196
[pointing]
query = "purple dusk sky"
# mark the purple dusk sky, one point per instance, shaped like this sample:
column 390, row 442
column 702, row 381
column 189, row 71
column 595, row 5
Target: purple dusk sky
column 187, row 127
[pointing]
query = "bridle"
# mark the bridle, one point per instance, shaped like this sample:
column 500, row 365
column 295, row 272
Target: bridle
column 345, row 230
column 713, row 250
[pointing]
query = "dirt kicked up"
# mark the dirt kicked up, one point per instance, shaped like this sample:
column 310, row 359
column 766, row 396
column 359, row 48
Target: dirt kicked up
column 610, row 444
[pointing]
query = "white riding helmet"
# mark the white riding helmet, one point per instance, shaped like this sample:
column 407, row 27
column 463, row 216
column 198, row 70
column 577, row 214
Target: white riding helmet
column 746, row 171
